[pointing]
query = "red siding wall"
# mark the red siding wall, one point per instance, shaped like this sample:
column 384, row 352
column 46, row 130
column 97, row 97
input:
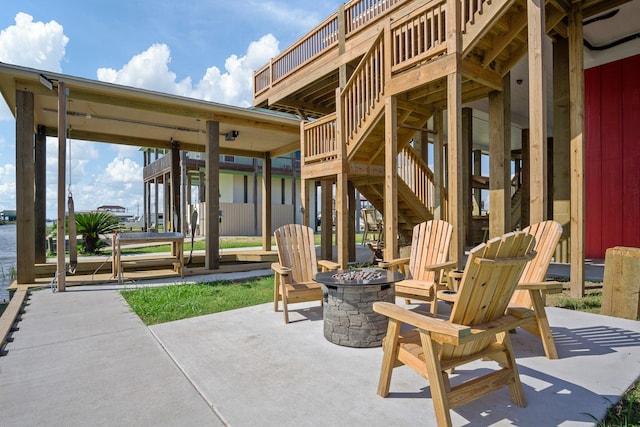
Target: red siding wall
column 612, row 139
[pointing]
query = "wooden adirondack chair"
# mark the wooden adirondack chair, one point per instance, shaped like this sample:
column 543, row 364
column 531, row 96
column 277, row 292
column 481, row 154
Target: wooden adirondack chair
column 293, row 281
column 532, row 288
column 477, row 329
column 426, row 263
column 372, row 226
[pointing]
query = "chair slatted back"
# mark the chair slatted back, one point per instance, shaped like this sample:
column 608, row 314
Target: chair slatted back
column 296, row 250
column 429, row 245
column 490, row 278
column 547, row 235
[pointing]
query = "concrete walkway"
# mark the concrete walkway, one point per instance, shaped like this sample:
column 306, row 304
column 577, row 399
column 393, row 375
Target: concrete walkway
column 83, row 358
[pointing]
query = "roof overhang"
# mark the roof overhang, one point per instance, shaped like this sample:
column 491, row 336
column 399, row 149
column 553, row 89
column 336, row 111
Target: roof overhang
column 105, row 112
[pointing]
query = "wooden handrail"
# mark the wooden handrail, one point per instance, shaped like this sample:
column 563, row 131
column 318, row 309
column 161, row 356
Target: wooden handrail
column 469, row 9
column 360, row 12
column 357, row 14
column 419, row 36
column 319, row 140
column 363, row 90
column 415, row 173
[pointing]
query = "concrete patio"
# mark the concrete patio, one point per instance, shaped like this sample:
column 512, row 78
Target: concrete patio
column 83, row 358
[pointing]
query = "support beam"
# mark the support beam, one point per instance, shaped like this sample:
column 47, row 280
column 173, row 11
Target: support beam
column 526, row 181
column 25, row 189
column 62, row 196
column 454, row 134
column 561, row 146
column 537, row 111
column 438, row 165
column 304, row 200
column 465, row 171
column 351, row 234
column 267, row 191
column 477, row 172
column 326, row 225
column 175, row 217
column 455, row 154
column 40, row 205
column 390, row 178
column 500, row 159
column 342, row 217
column 212, row 197
column 576, row 96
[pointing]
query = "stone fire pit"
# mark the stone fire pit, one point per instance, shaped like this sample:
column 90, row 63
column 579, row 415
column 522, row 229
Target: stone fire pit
column 349, row 319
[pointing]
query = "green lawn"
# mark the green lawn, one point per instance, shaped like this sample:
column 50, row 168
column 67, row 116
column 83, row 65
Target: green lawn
column 168, row 303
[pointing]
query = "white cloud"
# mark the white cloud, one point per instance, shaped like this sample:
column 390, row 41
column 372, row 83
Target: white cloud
column 8, row 186
column 150, row 70
column 123, row 170
column 33, row 44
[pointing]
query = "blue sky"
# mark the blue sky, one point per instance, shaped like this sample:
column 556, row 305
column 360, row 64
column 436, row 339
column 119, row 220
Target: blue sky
column 203, row 49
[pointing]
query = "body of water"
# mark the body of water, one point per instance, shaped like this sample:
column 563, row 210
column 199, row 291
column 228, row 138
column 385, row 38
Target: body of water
column 7, row 258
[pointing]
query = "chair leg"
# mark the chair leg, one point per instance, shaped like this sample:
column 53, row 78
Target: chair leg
column 515, row 387
column 276, row 295
column 285, row 307
column 437, row 382
column 434, row 305
column 390, row 355
column 543, row 325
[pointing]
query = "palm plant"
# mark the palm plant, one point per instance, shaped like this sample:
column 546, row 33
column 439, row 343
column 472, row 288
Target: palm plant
column 93, row 224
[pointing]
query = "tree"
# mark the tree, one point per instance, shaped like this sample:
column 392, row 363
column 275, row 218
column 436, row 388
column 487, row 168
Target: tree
column 93, row 224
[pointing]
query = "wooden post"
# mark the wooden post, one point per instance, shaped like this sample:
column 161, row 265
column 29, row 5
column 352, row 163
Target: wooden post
column 390, row 178
column 621, row 287
column 25, row 189
column 326, row 209
column 454, row 135
column 500, row 159
column 266, row 202
column 304, row 201
column 465, row 172
column 438, row 164
column 351, row 226
column 477, row 172
column 176, row 218
column 40, row 205
column 576, row 96
column 525, row 204
column 537, row 111
column 62, row 196
column 212, row 197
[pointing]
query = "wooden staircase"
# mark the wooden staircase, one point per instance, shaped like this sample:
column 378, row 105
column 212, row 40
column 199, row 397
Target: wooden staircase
column 397, row 53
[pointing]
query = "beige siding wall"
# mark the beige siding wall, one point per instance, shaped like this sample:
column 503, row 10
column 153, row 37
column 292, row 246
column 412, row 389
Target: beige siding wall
column 238, row 219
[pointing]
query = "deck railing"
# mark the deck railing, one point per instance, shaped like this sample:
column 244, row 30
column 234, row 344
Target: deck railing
column 414, row 172
column 469, row 9
column 361, row 12
column 419, row 36
column 363, row 91
column 357, row 14
column 319, row 141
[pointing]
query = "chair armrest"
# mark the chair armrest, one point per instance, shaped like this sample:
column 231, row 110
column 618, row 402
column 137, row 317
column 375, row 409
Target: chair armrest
column 328, row 265
column 447, row 332
column 441, row 266
column 280, row 269
column 550, row 287
column 520, row 312
column 393, row 263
